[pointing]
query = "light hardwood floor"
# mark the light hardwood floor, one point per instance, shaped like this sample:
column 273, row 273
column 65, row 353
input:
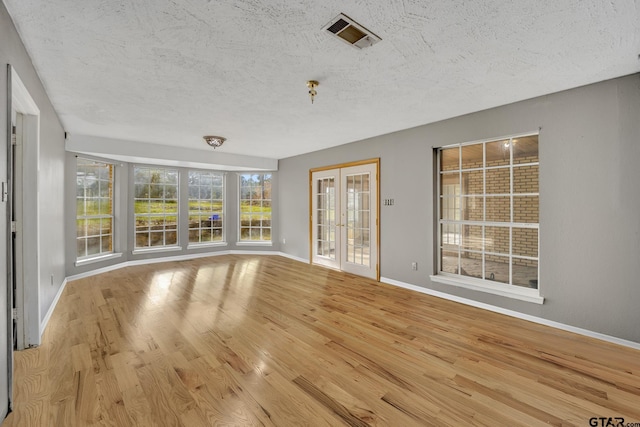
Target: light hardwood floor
column 264, row 340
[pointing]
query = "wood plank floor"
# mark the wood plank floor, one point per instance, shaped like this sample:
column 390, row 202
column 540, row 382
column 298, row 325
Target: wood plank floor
column 264, row 340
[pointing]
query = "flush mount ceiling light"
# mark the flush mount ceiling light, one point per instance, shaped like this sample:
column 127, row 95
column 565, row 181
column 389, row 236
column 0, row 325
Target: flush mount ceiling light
column 350, row 32
column 312, row 85
column 214, row 141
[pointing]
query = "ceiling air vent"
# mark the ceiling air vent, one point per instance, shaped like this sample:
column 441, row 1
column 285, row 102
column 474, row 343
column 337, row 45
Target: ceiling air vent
column 350, row 32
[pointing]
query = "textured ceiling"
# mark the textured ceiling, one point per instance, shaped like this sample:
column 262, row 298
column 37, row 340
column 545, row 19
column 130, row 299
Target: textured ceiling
column 171, row 71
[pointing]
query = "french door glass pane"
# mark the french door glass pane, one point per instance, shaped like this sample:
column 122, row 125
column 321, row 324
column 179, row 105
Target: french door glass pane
column 358, row 219
column 325, row 217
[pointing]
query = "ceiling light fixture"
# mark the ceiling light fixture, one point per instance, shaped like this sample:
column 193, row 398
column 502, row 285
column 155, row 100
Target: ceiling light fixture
column 312, row 85
column 214, row 141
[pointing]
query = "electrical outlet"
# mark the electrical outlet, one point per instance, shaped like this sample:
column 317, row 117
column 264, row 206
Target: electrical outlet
column 284, row 241
column 414, row 266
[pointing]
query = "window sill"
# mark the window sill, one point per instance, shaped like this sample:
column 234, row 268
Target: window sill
column 156, row 249
column 99, row 258
column 206, row 245
column 508, row 291
column 255, row 243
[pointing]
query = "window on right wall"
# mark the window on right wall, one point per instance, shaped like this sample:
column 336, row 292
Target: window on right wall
column 488, row 222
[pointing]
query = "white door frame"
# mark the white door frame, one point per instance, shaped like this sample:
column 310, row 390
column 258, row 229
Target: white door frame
column 27, row 214
column 375, row 222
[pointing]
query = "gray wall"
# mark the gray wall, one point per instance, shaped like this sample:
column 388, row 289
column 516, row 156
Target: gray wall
column 51, row 159
column 589, row 201
column 124, row 227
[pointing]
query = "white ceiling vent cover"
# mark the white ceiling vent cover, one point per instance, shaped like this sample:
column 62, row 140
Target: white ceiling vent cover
column 350, row 32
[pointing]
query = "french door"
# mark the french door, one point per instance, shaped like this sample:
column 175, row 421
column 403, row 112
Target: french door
column 344, row 218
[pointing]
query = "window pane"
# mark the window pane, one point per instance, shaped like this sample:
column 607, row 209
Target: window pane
column 525, row 149
column 105, row 226
column 104, row 207
column 93, row 245
column 498, row 153
column 156, row 238
column 449, row 261
column 141, row 191
column 142, row 223
column 106, row 244
column 525, row 179
column 81, row 225
column 450, row 184
column 497, row 209
column 450, row 208
column 472, row 182
column 498, row 181
column 471, row 265
column 472, row 237
column 81, row 247
column 451, row 234
column 496, row 240
column 169, row 206
column 171, row 238
column 472, row 156
column 142, row 240
column 496, row 268
column 525, row 242
column 525, row 273
column 450, row 159
column 525, row 209
column 472, row 208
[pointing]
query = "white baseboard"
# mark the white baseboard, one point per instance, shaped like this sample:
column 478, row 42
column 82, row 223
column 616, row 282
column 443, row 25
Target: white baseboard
column 293, row 257
column 47, row 317
column 495, row 309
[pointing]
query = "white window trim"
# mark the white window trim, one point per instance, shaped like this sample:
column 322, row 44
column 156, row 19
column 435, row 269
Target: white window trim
column 178, row 216
column 239, row 228
column 102, row 255
column 154, row 249
column 222, row 242
column 495, row 288
column 99, row 258
column 206, row 244
column 480, row 285
column 254, row 243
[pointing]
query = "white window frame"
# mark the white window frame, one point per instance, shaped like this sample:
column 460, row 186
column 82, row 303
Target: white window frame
column 488, row 286
column 87, row 258
column 240, row 241
column 222, row 242
column 164, row 246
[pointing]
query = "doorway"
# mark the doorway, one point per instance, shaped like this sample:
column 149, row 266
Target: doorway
column 19, row 176
column 344, row 226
